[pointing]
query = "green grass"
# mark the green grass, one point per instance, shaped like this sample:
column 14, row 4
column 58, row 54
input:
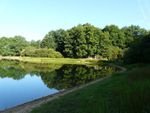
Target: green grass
column 128, row 92
column 58, row 60
column 54, row 60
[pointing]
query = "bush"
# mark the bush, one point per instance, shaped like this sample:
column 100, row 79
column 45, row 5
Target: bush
column 42, row 52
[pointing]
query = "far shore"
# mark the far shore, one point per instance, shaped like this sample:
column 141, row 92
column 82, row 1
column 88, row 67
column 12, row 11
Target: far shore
column 44, row 60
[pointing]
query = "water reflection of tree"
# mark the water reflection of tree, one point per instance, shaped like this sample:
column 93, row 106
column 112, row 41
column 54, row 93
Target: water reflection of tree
column 73, row 75
column 34, row 67
column 18, row 70
column 52, row 75
column 11, row 72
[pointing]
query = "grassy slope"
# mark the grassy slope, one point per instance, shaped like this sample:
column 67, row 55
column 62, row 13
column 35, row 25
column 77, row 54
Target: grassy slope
column 128, row 92
column 53, row 60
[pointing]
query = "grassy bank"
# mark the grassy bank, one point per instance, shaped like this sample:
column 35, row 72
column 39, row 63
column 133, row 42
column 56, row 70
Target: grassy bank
column 53, row 60
column 126, row 92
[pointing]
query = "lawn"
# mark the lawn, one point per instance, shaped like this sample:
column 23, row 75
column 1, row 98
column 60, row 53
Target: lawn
column 127, row 92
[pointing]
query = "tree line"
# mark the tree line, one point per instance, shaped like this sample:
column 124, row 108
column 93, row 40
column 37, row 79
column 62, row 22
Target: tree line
column 82, row 41
column 86, row 40
column 18, row 46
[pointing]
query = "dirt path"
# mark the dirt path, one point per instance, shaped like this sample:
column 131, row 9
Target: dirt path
column 27, row 107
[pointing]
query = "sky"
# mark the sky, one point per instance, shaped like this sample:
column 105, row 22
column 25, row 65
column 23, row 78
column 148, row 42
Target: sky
column 33, row 19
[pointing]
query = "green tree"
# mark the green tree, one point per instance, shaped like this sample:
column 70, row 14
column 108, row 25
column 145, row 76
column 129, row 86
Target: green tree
column 117, row 37
column 61, row 40
column 35, row 44
column 132, row 33
column 12, row 46
column 139, row 52
column 92, row 35
column 49, row 40
column 104, row 44
column 83, row 41
column 77, row 42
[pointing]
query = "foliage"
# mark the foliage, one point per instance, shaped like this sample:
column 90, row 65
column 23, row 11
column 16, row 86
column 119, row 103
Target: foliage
column 41, row 52
column 114, row 53
column 49, row 40
column 35, row 44
column 81, row 41
column 139, row 52
column 117, row 37
column 12, row 46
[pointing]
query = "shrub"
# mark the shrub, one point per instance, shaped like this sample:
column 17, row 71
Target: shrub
column 42, row 52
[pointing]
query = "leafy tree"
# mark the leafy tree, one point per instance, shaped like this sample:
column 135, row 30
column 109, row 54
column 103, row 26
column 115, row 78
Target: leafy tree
column 35, row 44
column 117, row 37
column 92, row 35
column 18, row 44
column 49, row 40
column 76, row 43
column 83, row 41
column 61, row 40
column 132, row 33
column 139, row 52
column 104, row 44
column 12, row 46
column 114, row 53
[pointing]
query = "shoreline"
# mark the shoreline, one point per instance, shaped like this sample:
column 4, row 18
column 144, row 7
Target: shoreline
column 27, row 107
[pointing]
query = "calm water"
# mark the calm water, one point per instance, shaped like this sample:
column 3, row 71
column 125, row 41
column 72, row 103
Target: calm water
column 23, row 82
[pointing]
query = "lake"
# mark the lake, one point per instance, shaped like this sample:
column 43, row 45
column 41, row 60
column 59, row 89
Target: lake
column 23, row 82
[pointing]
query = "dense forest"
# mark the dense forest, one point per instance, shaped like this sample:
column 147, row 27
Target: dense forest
column 130, row 44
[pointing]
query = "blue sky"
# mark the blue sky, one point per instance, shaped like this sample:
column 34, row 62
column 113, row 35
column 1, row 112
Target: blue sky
column 34, row 18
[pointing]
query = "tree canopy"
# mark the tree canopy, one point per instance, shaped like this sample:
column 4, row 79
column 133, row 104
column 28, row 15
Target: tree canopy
column 12, row 46
column 139, row 52
column 81, row 41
